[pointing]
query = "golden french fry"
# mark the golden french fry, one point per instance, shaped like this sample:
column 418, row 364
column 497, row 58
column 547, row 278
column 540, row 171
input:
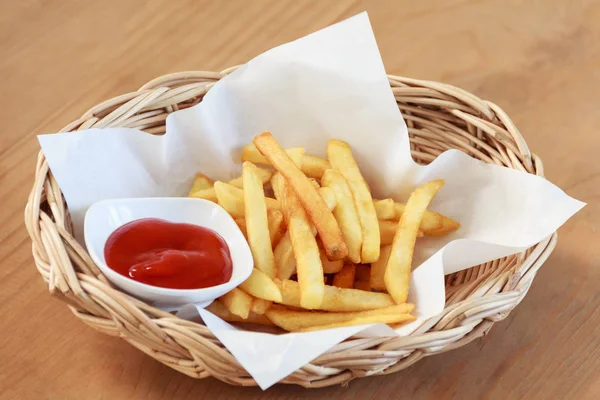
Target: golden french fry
column 432, row 224
column 374, row 319
column 397, row 271
column 264, row 175
column 286, row 263
column 330, row 267
column 345, row 277
column 219, row 309
column 308, row 261
column 317, row 209
column 378, row 269
column 284, row 258
column 206, row 194
column 251, row 153
column 241, row 223
column 387, row 230
column 257, row 225
column 203, row 186
column 315, row 183
column 385, row 209
column 261, row 286
column 272, row 204
column 201, row 182
column 276, row 226
column 336, row 299
column 328, row 196
column 228, row 199
column 259, row 306
column 231, row 199
column 340, row 157
column 345, row 212
column 284, row 255
column 326, row 193
column 276, row 184
column 313, row 167
column 296, row 156
column 237, row 302
column 297, row 320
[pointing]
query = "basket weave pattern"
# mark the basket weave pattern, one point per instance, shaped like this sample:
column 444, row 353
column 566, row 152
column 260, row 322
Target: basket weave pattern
column 439, row 117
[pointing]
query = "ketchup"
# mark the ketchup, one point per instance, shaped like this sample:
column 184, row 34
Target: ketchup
column 169, row 255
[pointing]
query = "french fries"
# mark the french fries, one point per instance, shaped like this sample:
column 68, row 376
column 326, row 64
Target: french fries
column 306, row 251
column 241, row 223
column 432, row 224
column 228, row 198
column 377, row 278
column 337, row 299
column 315, row 183
column 276, row 184
column 329, row 197
column 284, row 258
column 219, row 309
column 373, row 319
column 345, row 213
column 251, row 153
column 345, row 277
column 340, row 157
column 257, row 225
column 231, row 199
column 264, row 175
column 207, row 194
column 259, row 306
column 387, row 231
column 276, row 227
column 237, row 302
column 321, row 216
column 313, row 167
column 398, row 268
column 327, row 194
column 322, row 225
column 294, row 321
column 202, row 187
column 330, row 267
column 201, row 182
column 261, row 286
column 385, row 209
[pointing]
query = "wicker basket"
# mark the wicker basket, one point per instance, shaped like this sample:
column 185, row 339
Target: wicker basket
column 439, row 117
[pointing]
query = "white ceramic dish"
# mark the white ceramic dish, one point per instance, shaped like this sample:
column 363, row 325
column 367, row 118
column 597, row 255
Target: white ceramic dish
column 104, row 217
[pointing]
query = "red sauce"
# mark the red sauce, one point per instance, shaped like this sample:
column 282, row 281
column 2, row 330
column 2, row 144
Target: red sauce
column 169, row 255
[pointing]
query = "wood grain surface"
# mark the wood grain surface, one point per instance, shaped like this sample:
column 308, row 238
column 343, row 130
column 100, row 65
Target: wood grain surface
column 539, row 60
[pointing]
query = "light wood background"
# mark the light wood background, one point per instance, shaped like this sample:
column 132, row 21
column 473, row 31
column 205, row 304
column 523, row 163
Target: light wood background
column 539, row 60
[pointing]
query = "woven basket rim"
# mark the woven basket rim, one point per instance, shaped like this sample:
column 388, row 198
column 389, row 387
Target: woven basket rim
column 438, row 116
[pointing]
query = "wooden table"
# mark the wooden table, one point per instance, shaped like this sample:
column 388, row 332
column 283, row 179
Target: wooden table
column 540, row 61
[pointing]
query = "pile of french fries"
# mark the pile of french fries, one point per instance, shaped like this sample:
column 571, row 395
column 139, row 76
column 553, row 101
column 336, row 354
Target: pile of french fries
column 326, row 254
